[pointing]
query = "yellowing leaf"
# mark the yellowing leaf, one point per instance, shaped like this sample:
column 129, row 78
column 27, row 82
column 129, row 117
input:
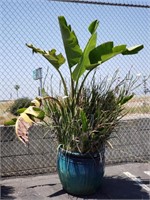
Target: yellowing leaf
column 22, row 127
column 26, row 118
column 36, row 102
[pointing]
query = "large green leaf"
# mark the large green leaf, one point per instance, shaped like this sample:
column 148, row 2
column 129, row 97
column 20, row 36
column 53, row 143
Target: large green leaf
column 10, row 122
column 55, row 60
column 106, row 51
column 93, row 26
column 41, row 113
column 84, row 61
column 103, row 49
column 70, row 41
column 21, row 110
column 115, row 51
column 133, row 50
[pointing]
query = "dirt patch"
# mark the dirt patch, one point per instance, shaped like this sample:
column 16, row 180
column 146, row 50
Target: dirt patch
column 5, row 115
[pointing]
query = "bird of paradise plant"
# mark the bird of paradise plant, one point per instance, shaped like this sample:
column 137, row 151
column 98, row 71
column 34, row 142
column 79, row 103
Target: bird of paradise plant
column 84, row 118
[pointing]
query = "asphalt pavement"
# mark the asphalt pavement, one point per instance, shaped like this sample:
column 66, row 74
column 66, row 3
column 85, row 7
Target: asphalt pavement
column 124, row 181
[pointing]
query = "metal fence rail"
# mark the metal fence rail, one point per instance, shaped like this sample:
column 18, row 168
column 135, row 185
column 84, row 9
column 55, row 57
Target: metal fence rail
column 35, row 22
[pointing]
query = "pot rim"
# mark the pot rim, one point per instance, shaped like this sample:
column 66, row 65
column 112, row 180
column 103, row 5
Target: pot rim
column 78, row 154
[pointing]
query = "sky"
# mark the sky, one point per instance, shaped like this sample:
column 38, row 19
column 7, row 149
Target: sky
column 36, row 22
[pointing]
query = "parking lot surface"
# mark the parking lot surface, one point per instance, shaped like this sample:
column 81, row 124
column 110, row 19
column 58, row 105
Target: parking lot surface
column 124, row 181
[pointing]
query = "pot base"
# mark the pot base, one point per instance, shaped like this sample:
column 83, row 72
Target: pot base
column 80, row 175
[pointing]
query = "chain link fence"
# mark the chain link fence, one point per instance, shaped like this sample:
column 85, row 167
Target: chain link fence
column 36, row 22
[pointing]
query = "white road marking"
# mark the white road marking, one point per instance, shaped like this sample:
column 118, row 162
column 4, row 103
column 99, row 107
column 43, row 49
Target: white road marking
column 137, row 180
column 147, row 172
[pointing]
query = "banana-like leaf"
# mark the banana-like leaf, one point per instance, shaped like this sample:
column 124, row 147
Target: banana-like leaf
column 103, row 49
column 23, row 123
column 70, row 41
column 35, row 112
column 26, row 118
column 21, row 110
column 93, row 26
column 10, row 122
column 115, row 51
column 55, row 60
column 36, row 102
column 84, row 61
column 40, row 113
column 106, row 51
column 133, row 50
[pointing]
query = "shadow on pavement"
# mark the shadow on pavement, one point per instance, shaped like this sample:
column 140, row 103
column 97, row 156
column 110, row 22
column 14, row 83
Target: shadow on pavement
column 6, row 192
column 115, row 187
column 58, row 193
column 34, row 186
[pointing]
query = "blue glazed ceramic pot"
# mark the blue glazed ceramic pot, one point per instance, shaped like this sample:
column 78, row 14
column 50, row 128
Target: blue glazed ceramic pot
column 80, row 174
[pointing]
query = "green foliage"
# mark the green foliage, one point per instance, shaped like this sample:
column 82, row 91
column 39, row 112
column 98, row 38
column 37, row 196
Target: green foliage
column 11, row 122
column 55, row 60
column 70, row 41
column 83, row 61
column 19, row 104
column 84, row 119
column 95, row 116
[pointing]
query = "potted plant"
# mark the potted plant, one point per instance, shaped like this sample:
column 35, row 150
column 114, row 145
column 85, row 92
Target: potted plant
column 83, row 119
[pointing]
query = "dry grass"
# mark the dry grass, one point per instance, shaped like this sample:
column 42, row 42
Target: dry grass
column 139, row 105
column 137, row 101
column 5, row 115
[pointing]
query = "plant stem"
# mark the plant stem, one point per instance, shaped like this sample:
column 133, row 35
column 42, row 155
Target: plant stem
column 63, row 81
column 81, row 86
